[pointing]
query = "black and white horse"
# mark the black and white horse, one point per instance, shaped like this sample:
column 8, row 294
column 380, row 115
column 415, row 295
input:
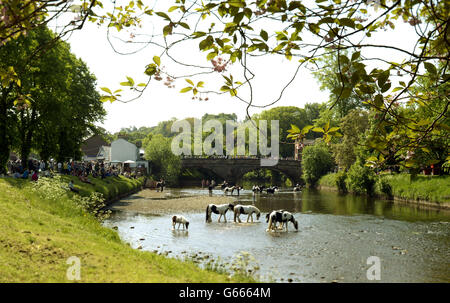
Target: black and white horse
column 246, row 210
column 268, row 215
column 257, row 188
column 220, row 209
column 181, row 221
column 272, row 189
column 282, row 217
column 224, row 184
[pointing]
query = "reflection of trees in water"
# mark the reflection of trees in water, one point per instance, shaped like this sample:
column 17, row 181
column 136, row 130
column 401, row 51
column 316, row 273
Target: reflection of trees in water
column 348, row 204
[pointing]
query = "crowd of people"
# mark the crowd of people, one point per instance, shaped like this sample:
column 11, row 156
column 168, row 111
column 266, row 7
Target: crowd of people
column 84, row 170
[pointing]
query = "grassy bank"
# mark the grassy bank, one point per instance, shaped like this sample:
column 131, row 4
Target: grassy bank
column 406, row 187
column 110, row 187
column 39, row 234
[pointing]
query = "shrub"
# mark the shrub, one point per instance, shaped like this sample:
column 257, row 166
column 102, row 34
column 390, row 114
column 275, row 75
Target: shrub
column 341, row 178
column 316, row 162
column 361, row 179
column 385, row 187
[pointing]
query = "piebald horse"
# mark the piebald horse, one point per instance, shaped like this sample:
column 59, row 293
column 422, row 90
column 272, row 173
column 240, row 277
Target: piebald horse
column 180, row 220
column 257, row 188
column 283, row 217
column 272, row 190
column 246, row 210
column 220, row 209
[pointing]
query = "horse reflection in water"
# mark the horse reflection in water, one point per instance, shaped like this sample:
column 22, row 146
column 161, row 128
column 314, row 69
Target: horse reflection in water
column 246, row 210
column 220, row 209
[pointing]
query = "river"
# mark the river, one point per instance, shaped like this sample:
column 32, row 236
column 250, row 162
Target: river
column 337, row 234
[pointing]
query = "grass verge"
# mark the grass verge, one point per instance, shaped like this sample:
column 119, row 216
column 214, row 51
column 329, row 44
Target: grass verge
column 406, row 187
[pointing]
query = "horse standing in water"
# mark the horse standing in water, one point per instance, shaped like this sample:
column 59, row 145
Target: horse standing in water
column 272, row 189
column 232, row 189
column 246, row 210
column 220, row 209
column 297, row 187
column 180, row 220
column 283, row 217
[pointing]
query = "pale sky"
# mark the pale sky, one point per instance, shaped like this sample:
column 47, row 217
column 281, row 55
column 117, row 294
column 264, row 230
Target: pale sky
column 160, row 103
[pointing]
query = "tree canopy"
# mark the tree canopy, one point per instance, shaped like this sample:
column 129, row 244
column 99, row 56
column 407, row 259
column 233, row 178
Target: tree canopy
column 52, row 106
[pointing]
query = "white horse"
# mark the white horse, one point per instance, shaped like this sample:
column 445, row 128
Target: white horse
column 180, row 220
column 246, row 210
column 228, row 189
column 283, row 217
column 220, row 209
column 232, row 189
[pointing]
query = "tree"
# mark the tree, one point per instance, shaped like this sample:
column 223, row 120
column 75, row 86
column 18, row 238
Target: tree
column 329, row 75
column 316, row 162
column 286, row 115
column 53, row 106
column 353, row 127
column 165, row 164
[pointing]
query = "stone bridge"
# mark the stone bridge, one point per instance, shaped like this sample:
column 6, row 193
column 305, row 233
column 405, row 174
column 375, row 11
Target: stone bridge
column 233, row 169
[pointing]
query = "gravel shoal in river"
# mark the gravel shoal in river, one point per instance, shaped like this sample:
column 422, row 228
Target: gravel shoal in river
column 153, row 202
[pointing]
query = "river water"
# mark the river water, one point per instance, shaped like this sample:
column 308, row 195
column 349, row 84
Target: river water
column 337, row 234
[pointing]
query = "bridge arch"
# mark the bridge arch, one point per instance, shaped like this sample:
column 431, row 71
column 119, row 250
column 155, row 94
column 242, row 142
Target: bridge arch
column 232, row 169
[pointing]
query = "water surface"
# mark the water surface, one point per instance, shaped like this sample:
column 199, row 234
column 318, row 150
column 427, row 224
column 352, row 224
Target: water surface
column 337, row 233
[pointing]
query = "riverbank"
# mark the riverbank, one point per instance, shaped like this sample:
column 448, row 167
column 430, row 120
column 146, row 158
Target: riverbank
column 428, row 191
column 39, row 234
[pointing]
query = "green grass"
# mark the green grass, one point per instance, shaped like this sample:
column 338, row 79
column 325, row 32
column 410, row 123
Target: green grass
column 110, row 187
column 404, row 186
column 328, row 180
column 38, row 235
column 427, row 188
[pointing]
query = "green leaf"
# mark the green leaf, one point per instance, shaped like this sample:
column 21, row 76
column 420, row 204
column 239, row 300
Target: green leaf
column 130, row 80
column 264, row 35
column 157, row 60
column 211, row 55
column 163, row 15
column 186, row 89
column 378, row 101
column 347, row 22
column 306, row 129
column 105, row 89
column 190, row 82
column 185, row 25
column 356, row 55
column 430, row 68
column 333, row 129
column 318, row 130
column 200, row 84
column 167, row 30
column 294, row 128
column 382, row 78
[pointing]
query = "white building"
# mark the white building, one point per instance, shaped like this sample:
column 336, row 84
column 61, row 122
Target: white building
column 125, row 152
column 122, row 150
